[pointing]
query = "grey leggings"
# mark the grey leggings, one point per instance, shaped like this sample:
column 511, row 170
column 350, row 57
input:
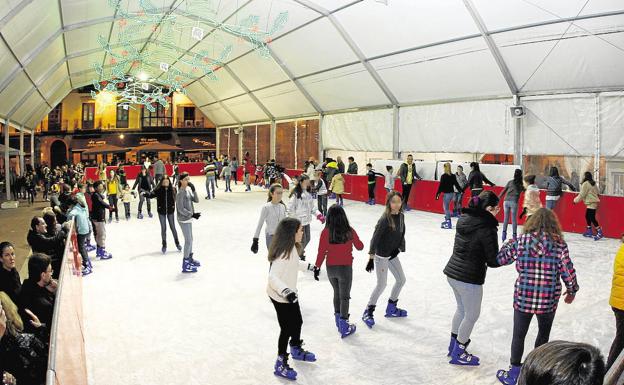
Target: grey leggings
column 187, row 233
column 468, row 297
column 340, row 278
column 382, row 265
column 269, row 238
column 306, row 237
column 163, row 227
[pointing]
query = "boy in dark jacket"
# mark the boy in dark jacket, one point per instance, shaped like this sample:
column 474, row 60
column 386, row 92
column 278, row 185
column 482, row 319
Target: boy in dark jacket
column 372, row 175
column 98, row 216
column 476, row 247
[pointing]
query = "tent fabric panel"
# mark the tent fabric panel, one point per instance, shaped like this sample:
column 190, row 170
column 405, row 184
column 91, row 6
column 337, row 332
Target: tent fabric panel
column 546, row 127
column 8, row 64
column 249, row 66
column 77, row 11
column 428, row 22
column 469, row 71
column 612, row 126
column 347, row 87
column 358, row 131
column 245, row 108
column 84, row 39
column 315, row 47
column 49, row 57
column 284, row 100
column 31, row 26
column 480, row 127
column 85, row 63
column 218, row 115
column 14, row 92
column 198, row 94
column 57, row 77
column 32, row 103
column 224, row 86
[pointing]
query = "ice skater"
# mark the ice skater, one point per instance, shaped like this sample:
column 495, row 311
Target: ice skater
column 282, row 290
column 476, row 179
column 336, row 246
column 389, row 179
column 113, row 191
column 554, row 190
column 589, row 196
column 127, row 196
column 301, row 206
column 210, row 170
column 272, row 213
column 99, row 219
column 447, row 186
column 146, row 183
column 371, row 176
column 337, row 188
column 409, row 176
column 321, row 192
column 462, row 180
column 512, row 192
column 226, row 174
column 542, row 261
column 165, row 195
column 387, row 242
column 532, row 201
column 83, row 230
column 186, row 213
column 475, row 248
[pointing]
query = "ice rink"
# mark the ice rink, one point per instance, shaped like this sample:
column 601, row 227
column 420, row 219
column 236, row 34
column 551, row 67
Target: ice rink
column 147, row 323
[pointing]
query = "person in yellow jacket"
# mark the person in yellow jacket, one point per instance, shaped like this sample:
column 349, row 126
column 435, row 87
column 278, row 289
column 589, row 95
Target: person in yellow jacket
column 617, row 304
column 113, row 191
column 589, row 196
column 337, row 187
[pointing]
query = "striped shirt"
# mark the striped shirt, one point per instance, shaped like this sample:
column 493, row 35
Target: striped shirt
column 541, row 263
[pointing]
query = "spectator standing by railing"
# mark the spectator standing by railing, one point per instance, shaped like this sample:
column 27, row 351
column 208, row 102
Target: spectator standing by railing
column 408, row 175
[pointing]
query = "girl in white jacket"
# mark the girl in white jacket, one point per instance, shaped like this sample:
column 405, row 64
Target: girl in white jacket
column 282, row 290
column 301, row 206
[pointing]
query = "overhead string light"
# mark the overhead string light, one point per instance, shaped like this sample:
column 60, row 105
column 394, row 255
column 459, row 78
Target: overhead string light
column 144, row 63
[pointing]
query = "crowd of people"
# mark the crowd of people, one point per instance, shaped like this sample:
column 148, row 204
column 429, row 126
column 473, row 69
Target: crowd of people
column 540, row 250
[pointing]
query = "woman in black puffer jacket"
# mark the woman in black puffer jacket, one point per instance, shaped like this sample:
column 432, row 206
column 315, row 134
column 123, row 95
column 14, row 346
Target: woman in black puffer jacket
column 476, row 246
column 165, row 195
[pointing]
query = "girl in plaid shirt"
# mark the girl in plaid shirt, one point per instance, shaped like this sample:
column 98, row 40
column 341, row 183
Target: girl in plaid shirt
column 542, row 258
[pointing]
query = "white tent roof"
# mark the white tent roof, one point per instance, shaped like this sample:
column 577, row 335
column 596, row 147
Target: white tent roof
column 333, row 54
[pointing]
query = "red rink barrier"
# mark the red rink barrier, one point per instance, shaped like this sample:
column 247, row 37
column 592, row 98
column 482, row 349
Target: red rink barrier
column 422, row 197
column 194, row 169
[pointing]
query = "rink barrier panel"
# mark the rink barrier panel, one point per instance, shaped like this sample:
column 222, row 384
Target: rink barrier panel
column 422, row 197
column 67, row 358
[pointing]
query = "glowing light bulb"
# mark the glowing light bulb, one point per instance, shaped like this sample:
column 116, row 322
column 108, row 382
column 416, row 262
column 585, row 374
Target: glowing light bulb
column 142, row 76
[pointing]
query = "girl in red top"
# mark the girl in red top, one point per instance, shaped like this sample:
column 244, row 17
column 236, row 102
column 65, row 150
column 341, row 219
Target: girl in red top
column 336, row 244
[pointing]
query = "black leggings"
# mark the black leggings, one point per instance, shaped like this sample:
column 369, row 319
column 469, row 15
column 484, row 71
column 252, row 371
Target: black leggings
column 371, row 190
column 290, row 321
column 590, row 218
column 82, row 248
column 520, row 329
column 407, row 188
column 618, row 341
column 112, row 200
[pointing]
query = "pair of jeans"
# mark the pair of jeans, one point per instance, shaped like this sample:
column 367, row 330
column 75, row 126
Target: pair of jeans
column 382, row 265
column 210, row 186
column 82, row 248
column 447, row 198
column 407, row 188
column 618, row 342
column 321, row 201
column 339, row 199
column 112, row 200
column 100, row 233
column 551, row 203
column 468, row 297
column 457, row 201
column 522, row 321
column 163, row 228
column 227, row 184
column 142, row 198
column 341, row 278
column 290, row 322
column 187, row 233
column 510, row 207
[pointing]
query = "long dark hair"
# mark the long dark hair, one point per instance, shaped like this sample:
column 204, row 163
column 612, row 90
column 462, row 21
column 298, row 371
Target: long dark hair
column 338, row 225
column 272, row 189
column 298, row 190
column 517, row 180
column 563, row 362
column 4, row 245
column 475, row 167
column 554, row 171
column 388, row 211
column 284, row 239
column 588, row 177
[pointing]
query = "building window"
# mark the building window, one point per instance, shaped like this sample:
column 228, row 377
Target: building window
column 54, row 118
column 88, row 115
column 161, row 118
column 122, row 116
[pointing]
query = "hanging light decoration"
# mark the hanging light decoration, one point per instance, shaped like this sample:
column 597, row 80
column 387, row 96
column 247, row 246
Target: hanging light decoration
column 135, row 74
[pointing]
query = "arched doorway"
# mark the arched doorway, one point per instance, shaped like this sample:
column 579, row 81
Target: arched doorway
column 58, row 153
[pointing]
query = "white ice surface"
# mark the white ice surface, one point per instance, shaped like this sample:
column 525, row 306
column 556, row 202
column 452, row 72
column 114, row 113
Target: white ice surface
column 146, row 323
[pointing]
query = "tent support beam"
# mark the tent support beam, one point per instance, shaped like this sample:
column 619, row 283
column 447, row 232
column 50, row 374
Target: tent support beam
column 272, row 138
column 248, row 92
column 238, row 121
column 502, row 66
column 7, row 164
column 21, row 151
column 396, row 145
